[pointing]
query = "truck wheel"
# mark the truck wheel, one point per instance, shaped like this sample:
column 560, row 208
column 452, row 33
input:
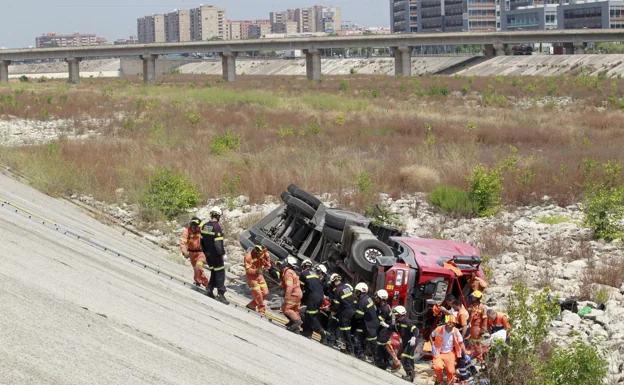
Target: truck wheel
column 301, row 206
column 331, row 233
column 285, row 196
column 307, row 198
column 274, row 248
column 291, row 188
column 337, row 218
column 364, row 253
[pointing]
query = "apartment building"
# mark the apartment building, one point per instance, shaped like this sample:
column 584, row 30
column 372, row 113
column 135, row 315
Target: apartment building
column 305, row 19
column 532, row 17
column 259, row 29
column 591, row 14
column 404, row 16
column 328, row 19
column 208, row 22
column 178, row 26
column 52, row 39
column 234, row 30
column 318, row 18
column 287, row 27
column 151, row 29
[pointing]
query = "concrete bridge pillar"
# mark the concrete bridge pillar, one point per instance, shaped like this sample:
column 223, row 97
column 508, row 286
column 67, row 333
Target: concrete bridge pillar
column 74, row 69
column 402, row 61
column 228, row 62
column 500, row 49
column 149, row 68
column 4, row 71
column 489, row 49
column 579, row 48
column 313, row 64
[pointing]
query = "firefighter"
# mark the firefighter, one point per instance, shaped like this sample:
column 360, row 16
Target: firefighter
column 478, row 322
column 343, row 306
column 385, row 353
column 256, row 262
column 313, row 299
column 447, row 347
column 212, row 244
column 463, row 326
column 292, row 293
column 497, row 321
column 409, row 333
column 190, row 246
column 473, row 284
column 321, row 271
column 368, row 323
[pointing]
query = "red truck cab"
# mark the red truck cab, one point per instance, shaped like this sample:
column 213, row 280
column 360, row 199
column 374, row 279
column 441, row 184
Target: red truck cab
column 423, row 272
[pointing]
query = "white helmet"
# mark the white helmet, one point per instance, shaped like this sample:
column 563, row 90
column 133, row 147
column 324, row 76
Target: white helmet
column 306, row 263
column 321, row 268
column 291, row 261
column 361, row 287
column 335, row 277
column 399, row 310
column 216, row 211
column 381, row 294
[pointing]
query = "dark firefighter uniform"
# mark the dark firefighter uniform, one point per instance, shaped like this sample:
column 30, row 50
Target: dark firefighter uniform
column 407, row 330
column 212, row 244
column 343, row 306
column 367, row 323
column 385, row 352
column 312, row 298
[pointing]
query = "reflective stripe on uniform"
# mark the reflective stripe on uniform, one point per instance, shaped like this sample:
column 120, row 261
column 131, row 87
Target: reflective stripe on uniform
column 218, row 239
column 311, row 276
column 369, row 305
column 359, row 330
column 263, row 285
column 292, row 303
column 371, row 339
column 406, row 356
column 381, row 318
column 345, row 328
column 219, row 268
column 358, row 311
column 346, row 295
column 254, row 288
column 289, row 282
column 200, row 263
column 336, row 301
column 311, row 311
column 412, row 329
column 208, row 232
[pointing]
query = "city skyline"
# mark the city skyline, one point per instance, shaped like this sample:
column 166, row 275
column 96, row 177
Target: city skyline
column 116, row 19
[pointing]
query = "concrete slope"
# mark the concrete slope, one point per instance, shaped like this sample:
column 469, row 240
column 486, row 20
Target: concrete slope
column 71, row 314
column 377, row 66
column 548, row 65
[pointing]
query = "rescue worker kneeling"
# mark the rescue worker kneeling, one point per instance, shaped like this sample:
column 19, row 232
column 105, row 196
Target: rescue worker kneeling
column 447, row 347
column 292, row 293
column 409, row 332
column 366, row 323
column 256, row 261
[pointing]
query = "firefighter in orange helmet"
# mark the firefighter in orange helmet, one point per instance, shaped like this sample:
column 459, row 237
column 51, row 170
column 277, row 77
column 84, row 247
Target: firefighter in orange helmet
column 292, row 293
column 256, row 262
column 190, row 246
column 448, row 347
column 478, row 323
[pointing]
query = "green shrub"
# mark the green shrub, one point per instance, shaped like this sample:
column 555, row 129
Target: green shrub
column 465, row 89
column 403, row 87
column 169, row 193
column 452, row 200
column 553, row 220
column 344, row 85
column 193, row 118
column 485, row 190
column 229, row 189
column 225, row 142
column 604, row 200
column 364, row 182
column 382, row 216
column 438, row 90
column 375, row 93
column 580, row 364
column 286, row 131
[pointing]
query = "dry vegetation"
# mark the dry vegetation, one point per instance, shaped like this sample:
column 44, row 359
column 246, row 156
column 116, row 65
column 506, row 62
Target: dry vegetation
column 272, row 131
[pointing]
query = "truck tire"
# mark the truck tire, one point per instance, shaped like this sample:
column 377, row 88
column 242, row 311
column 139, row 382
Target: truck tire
column 332, row 234
column 285, row 196
column 337, row 218
column 307, row 198
column 291, row 188
column 301, row 206
column 274, row 248
column 364, row 253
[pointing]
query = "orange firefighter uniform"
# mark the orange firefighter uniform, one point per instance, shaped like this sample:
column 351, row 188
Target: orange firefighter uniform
column 478, row 321
column 190, row 246
column 446, row 355
column 501, row 322
column 292, row 295
column 255, row 262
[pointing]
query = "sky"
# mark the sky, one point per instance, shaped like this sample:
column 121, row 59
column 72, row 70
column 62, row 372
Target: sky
column 22, row 20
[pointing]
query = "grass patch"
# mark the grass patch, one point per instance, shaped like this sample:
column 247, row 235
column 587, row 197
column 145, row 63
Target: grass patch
column 323, row 102
column 555, row 220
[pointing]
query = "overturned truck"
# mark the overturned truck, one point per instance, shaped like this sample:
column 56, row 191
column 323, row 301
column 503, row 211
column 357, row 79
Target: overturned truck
column 418, row 273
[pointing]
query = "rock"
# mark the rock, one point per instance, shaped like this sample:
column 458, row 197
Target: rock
column 571, row 319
